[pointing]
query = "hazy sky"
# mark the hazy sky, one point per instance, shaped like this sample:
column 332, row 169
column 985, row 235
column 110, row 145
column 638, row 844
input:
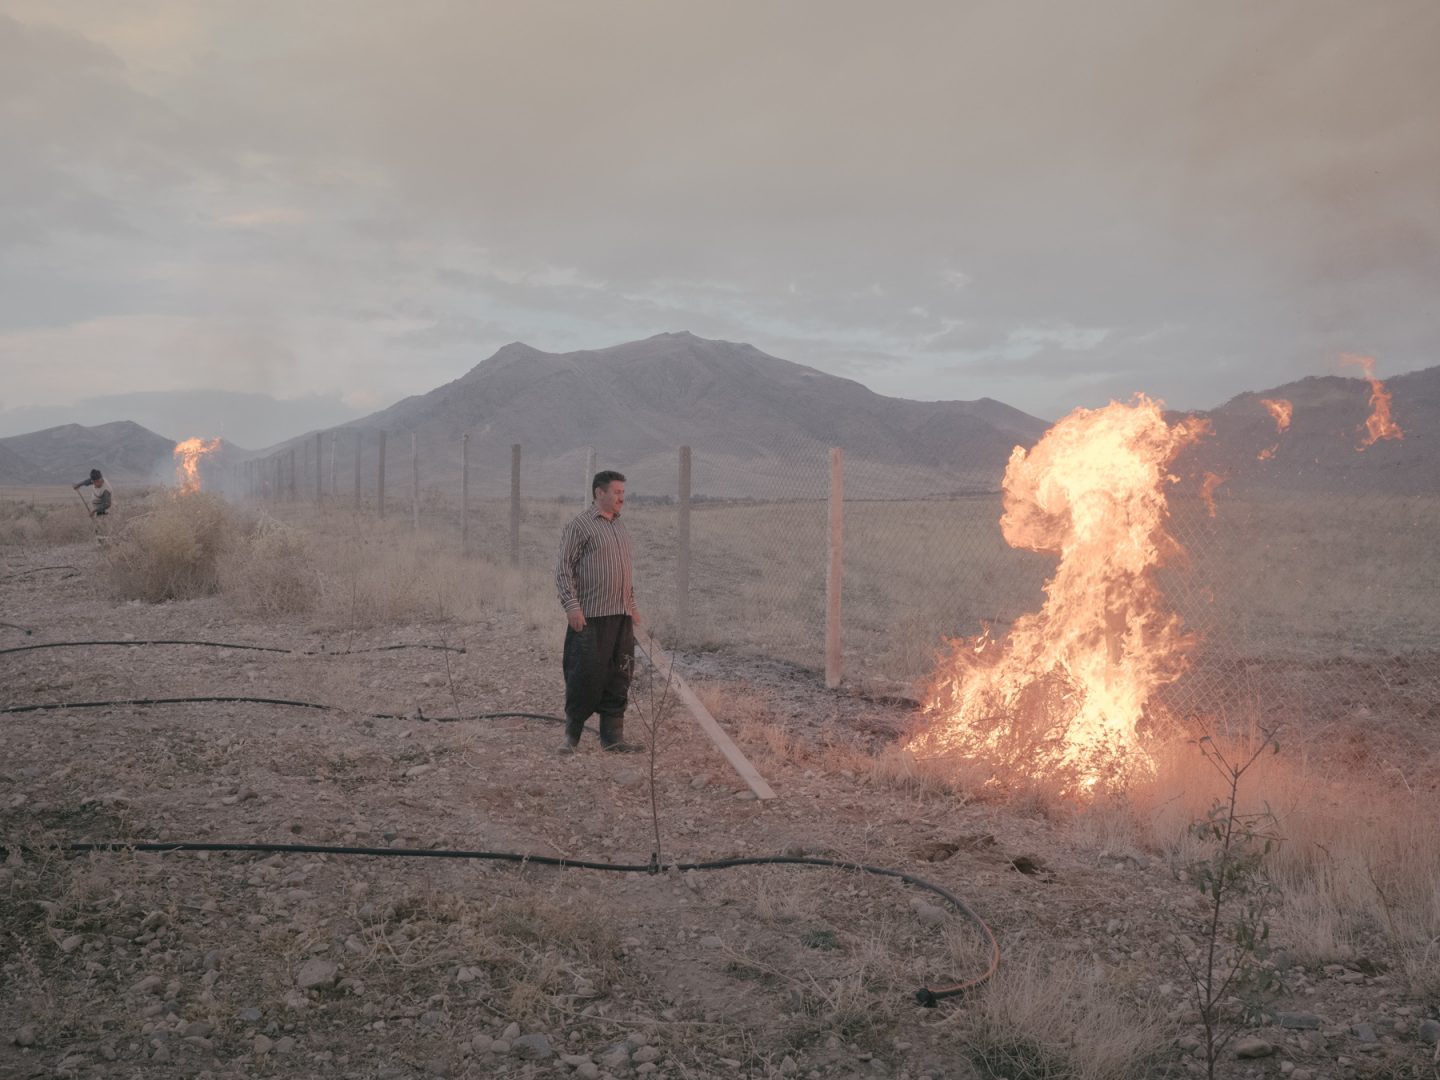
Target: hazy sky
column 1050, row 204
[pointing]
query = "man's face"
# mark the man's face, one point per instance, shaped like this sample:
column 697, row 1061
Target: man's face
column 610, row 498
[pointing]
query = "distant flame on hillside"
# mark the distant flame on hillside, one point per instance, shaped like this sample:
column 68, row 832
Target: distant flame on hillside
column 1378, row 425
column 187, row 456
column 1063, row 694
column 1281, row 410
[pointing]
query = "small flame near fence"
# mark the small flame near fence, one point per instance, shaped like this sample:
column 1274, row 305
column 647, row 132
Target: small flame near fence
column 188, row 454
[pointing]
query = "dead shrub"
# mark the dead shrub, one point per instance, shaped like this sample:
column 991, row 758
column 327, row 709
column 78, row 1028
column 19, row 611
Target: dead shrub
column 172, row 552
column 271, row 571
column 1035, row 1021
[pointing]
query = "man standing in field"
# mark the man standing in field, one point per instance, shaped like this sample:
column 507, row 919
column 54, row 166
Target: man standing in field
column 593, row 578
column 102, row 499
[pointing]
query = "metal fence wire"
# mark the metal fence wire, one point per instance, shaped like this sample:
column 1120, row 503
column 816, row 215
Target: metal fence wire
column 1319, row 607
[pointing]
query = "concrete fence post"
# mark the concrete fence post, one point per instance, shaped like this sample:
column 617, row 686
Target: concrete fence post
column 589, row 476
column 380, row 480
column 682, row 555
column 834, row 566
column 334, row 455
column 515, row 504
column 465, row 494
column 414, row 483
column 359, row 449
column 319, row 463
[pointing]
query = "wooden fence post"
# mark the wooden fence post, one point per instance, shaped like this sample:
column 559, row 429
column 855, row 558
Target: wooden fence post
column 834, row 564
column 515, row 504
column 682, row 556
column 319, row 462
column 414, row 483
column 465, row 494
column 380, row 480
column 359, row 447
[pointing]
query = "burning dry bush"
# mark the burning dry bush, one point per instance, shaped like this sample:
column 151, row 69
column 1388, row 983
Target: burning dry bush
column 271, row 571
column 173, row 552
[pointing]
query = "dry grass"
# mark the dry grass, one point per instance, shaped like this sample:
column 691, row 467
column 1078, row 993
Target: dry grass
column 173, row 551
column 41, row 517
column 1357, row 865
column 1056, row 1021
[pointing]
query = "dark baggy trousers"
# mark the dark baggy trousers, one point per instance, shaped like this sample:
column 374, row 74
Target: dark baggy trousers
column 597, row 662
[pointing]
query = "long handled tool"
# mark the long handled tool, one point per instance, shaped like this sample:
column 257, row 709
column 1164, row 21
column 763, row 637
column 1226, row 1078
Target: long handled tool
column 99, row 538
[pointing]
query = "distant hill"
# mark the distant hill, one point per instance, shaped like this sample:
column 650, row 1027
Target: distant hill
column 244, row 419
column 758, row 425
column 1319, row 451
column 124, row 451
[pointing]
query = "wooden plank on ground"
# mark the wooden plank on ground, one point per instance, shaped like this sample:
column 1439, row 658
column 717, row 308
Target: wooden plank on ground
column 664, row 665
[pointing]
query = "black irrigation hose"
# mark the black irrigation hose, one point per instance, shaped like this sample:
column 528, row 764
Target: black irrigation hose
column 928, row 996
column 210, row 699
column 16, row 626
column 38, row 569
column 230, row 645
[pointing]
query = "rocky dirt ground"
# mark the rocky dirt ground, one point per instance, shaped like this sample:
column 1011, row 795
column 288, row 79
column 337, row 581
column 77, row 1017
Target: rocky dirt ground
column 129, row 964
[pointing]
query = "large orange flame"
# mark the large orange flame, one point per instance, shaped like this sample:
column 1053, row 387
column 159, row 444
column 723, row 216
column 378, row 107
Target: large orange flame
column 1378, row 424
column 187, row 462
column 1064, row 693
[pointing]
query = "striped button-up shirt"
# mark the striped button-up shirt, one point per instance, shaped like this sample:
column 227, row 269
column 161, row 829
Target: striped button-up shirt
column 593, row 573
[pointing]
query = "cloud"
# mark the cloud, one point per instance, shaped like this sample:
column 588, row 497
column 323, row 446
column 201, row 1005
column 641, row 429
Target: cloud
column 901, row 198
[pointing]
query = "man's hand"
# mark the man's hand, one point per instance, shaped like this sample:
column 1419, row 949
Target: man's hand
column 635, row 618
column 576, row 618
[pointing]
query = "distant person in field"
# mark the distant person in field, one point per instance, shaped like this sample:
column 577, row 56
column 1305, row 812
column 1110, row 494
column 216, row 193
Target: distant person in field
column 593, row 578
column 102, row 498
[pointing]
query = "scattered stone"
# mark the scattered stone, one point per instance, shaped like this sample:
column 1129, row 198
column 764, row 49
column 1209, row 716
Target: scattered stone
column 418, row 770
column 532, row 1048
column 1298, row 1021
column 928, row 914
column 197, row 1029
column 500, row 1046
column 788, row 1066
column 1365, row 1033
column 317, row 974
column 646, row 1053
column 511, row 1033
column 263, row 1045
column 285, row 1045
column 575, row 1060
column 616, row 1057
column 1429, row 1032
column 148, row 985
column 745, row 796
column 250, row 1016
column 712, row 941
column 698, row 782
column 481, row 1043
column 588, row 1070
column 1253, row 1047
column 24, row 1035
column 628, row 778
column 71, row 943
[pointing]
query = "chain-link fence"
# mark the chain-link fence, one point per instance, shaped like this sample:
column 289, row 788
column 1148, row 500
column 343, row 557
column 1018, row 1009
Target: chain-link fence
column 1321, row 606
